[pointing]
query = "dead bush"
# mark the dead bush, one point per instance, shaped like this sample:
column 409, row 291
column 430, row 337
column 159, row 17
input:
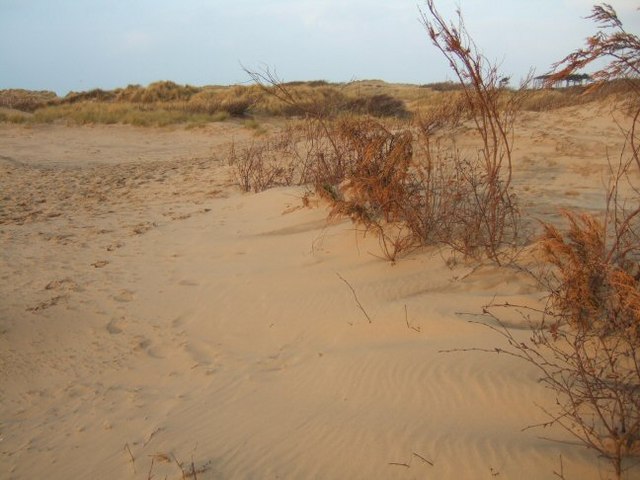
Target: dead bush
column 595, row 379
column 594, row 288
column 369, row 172
column 267, row 163
column 369, row 181
column 251, row 167
column 374, row 186
column 491, row 214
column 585, row 340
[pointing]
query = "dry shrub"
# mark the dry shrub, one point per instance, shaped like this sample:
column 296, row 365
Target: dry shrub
column 300, row 153
column 585, row 341
column 407, row 182
column 595, row 379
column 358, row 165
column 374, row 186
column 268, row 163
column 323, row 160
column 595, row 288
column 488, row 212
column 395, row 240
column 611, row 42
column 368, row 178
column 370, row 172
column 446, row 197
column 253, row 166
column 405, row 187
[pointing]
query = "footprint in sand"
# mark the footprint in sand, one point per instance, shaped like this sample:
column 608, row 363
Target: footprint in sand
column 113, row 328
column 143, row 344
column 47, row 303
column 177, row 322
column 124, row 296
column 115, row 246
column 203, row 357
column 140, row 343
column 143, row 228
column 65, row 284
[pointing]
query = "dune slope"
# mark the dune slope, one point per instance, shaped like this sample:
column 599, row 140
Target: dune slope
column 150, row 313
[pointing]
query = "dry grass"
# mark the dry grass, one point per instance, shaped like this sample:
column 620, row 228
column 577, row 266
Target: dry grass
column 547, row 99
column 126, row 113
column 166, row 464
column 25, row 100
column 162, row 103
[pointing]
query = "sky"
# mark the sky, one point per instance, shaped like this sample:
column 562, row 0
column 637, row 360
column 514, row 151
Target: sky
column 77, row 45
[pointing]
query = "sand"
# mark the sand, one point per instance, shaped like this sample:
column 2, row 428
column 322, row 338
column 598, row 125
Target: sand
column 150, row 313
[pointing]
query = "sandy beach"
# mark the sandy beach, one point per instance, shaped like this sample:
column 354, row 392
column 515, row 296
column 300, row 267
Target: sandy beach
column 153, row 314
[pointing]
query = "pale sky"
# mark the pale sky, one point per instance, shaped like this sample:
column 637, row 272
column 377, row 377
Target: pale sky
column 65, row 45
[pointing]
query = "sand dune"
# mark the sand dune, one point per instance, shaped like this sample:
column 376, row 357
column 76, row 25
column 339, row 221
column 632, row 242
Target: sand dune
column 148, row 310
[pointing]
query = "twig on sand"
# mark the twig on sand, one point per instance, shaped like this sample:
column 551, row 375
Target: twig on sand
column 423, row 459
column 355, row 296
column 133, row 461
column 408, row 464
column 409, row 326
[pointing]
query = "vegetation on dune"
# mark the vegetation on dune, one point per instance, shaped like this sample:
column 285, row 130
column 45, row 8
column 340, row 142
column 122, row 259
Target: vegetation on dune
column 165, row 102
column 377, row 155
column 587, row 347
column 585, row 340
column 402, row 181
column 162, row 103
column 405, row 184
column 25, row 100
